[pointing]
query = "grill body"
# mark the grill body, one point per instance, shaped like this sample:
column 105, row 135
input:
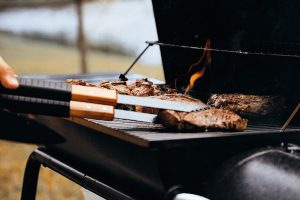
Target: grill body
column 144, row 161
column 263, row 174
column 154, row 171
column 246, row 26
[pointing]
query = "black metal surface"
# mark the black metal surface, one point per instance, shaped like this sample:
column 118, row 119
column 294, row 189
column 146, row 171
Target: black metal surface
column 265, row 174
column 104, row 157
column 22, row 128
column 41, row 157
column 151, row 135
column 250, row 25
column 30, row 179
column 167, row 162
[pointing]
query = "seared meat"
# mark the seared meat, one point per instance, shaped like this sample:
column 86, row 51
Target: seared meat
column 119, row 86
column 173, row 120
column 211, row 119
column 79, row 82
column 141, row 87
column 143, row 90
column 247, row 104
column 214, row 118
column 163, row 89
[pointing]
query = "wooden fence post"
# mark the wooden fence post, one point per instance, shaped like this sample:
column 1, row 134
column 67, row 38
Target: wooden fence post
column 81, row 37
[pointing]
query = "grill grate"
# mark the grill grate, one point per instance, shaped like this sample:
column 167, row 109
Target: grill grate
column 149, row 134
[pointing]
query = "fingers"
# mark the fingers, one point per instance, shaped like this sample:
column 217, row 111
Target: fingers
column 7, row 76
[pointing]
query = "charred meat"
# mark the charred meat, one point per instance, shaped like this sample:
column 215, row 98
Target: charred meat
column 206, row 120
column 210, row 119
column 79, row 82
column 247, row 104
column 120, row 86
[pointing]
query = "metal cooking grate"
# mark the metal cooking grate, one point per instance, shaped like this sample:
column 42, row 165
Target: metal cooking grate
column 147, row 134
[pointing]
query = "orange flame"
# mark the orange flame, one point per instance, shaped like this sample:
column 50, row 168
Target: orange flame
column 204, row 61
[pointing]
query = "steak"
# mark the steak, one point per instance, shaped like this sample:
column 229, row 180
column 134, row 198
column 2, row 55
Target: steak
column 247, row 105
column 205, row 120
column 79, row 82
column 142, row 87
column 120, row 86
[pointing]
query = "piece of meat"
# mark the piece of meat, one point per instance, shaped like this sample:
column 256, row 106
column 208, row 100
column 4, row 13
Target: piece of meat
column 144, row 81
column 210, row 119
column 247, row 104
column 143, row 90
column 142, row 87
column 163, row 89
column 79, row 82
column 119, row 86
column 214, row 118
column 172, row 120
column 207, row 120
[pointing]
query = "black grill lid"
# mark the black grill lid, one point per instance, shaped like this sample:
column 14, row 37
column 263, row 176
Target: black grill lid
column 268, row 27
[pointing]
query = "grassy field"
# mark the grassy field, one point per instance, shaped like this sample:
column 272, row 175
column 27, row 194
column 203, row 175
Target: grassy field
column 28, row 56
column 51, row 185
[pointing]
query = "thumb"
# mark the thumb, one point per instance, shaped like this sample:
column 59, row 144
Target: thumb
column 7, row 76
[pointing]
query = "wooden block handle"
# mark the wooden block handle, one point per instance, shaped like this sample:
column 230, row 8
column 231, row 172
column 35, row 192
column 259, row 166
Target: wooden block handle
column 91, row 110
column 94, row 95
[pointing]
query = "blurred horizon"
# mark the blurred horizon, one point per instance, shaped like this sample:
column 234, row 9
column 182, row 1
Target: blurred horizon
column 108, row 26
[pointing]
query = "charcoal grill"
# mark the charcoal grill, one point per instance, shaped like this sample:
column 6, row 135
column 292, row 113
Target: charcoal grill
column 132, row 160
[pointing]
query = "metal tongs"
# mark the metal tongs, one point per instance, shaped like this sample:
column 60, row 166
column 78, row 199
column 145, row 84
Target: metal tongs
column 60, row 99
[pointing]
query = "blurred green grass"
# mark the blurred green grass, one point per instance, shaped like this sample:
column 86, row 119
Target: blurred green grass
column 28, row 56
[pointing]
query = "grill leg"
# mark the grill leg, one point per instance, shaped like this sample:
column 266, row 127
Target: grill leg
column 31, row 177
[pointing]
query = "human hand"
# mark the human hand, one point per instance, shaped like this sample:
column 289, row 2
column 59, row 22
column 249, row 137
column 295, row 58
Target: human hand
column 7, row 76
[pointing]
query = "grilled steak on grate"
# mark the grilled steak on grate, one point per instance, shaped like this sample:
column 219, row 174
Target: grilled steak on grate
column 207, row 120
column 247, row 105
column 120, row 86
column 210, row 119
column 79, row 82
column 135, row 88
